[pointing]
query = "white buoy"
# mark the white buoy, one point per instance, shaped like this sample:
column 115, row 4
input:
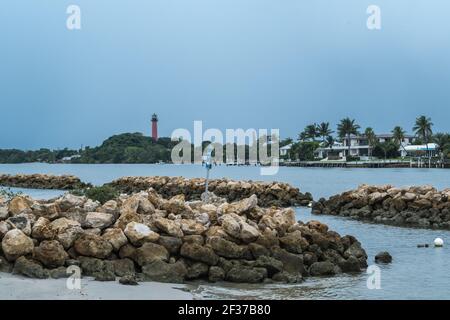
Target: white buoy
column 438, row 242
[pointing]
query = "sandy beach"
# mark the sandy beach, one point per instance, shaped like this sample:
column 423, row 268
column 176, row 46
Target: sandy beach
column 13, row 287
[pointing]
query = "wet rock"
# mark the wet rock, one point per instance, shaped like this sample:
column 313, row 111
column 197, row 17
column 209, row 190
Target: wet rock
column 383, row 257
column 173, row 244
column 199, row 253
column 292, row 263
column 5, row 265
column 129, row 280
column 216, row 274
column 58, row 273
column 287, row 277
column 90, row 266
column 272, row 265
column 322, row 268
column 150, row 252
column 123, row 267
column 197, row 270
column 161, row 271
column 294, row 242
column 225, row 248
column 258, row 250
column 30, row 268
column 242, row 274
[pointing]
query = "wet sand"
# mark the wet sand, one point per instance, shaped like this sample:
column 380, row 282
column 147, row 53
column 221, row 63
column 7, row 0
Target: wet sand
column 17, row 287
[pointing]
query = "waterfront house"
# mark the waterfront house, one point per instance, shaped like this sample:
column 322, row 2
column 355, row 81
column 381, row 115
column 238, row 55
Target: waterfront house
column 359, row 147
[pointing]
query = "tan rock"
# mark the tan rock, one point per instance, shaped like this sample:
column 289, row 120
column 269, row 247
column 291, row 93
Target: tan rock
column 19, row 204
column 169, row 226
column 51, row 253
column 15, row 244
column 93, row 246
column 139, row 233
column 116, row 237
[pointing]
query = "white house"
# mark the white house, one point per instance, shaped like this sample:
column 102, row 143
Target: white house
column 359, row 146
column 285, row 150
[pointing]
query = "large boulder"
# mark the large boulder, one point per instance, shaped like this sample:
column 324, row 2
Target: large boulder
column 294, row 242
column 225, row 248
column 42, row 230
column 99, row 220
column 199, row 253
column 169, row 226
column 92, row 245
column 15, row 244
column 244, row 274
column 19, row 204
column 116, row 237
column 30, row 268
column 192, row 227
column 50, row 253
column 139, row 233
column 239, row 207
column 383, row 257
column 161, row 271
column 150, row 252
column 172, row 244
column 69, row 201
column 197, row 270
column 323, row 268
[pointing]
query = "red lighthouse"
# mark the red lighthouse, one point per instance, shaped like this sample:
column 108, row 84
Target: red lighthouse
column 155, row 127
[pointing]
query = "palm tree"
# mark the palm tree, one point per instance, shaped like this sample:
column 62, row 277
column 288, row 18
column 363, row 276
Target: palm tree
column 346, row 128
column 311, row 131
column 443, row 142
column 399, row 135
column 371, row 139
column 302, row 136
column 423, row 130
column 323, row 130
column 329, row 142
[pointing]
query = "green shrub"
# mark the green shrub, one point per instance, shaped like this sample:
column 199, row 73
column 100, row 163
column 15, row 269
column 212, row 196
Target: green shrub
column 101, row 194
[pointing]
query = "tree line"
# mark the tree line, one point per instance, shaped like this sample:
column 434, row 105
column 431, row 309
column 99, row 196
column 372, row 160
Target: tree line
column 319, row 135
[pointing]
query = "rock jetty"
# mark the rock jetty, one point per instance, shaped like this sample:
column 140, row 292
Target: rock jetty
column 42, row 181
column 420, row 206
column 268, row 193
column 145, row 237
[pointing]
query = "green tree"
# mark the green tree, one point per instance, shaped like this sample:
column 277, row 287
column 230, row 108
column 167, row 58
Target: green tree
column 346, row 128
column 371, row 139
column 324, row 131
column 423, row 130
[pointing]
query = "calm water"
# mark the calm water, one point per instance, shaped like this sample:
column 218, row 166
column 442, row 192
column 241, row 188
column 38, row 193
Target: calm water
column 414, row 274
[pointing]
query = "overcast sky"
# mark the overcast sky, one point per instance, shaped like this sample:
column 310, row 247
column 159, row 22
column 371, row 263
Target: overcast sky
column 231, row 63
